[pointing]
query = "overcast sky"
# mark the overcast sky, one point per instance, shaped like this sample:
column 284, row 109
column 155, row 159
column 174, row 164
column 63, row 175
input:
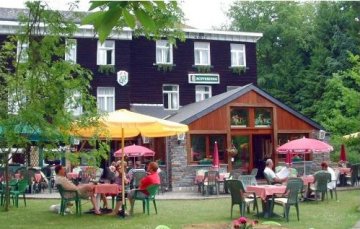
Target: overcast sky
column 202, row 14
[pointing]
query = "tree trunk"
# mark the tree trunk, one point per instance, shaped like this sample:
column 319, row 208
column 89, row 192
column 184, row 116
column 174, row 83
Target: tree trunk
column 7, row 190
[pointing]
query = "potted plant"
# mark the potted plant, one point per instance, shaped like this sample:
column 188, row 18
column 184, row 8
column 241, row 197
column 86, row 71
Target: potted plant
column 232, row 151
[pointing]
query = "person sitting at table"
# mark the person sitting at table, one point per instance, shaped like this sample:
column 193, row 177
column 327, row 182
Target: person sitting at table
column 150, row 179
column 84, row 190
column 325, row 167
column 270, row 174
column 118, row 181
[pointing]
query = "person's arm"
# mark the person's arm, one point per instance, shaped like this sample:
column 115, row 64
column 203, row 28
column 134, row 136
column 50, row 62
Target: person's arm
column 66, row 184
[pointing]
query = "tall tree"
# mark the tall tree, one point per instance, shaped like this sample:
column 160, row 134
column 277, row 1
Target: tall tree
column 154, row 19
column 37, row 85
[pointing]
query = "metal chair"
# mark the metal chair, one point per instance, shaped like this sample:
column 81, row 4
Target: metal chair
column 210, row 182
column 293, row 189
column 237, row 192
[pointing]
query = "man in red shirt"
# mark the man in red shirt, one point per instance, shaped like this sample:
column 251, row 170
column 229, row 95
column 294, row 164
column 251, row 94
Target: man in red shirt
column 151, row 179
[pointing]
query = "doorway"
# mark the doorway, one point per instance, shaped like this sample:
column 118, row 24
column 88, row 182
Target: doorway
column 262, row 150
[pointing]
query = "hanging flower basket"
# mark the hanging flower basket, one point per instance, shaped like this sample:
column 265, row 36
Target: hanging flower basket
column 232, row 151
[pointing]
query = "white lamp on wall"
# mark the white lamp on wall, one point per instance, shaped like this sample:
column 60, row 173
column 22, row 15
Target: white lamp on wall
column 180, row 137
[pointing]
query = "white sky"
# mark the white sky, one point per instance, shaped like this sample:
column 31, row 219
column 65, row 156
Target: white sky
column 202, row 14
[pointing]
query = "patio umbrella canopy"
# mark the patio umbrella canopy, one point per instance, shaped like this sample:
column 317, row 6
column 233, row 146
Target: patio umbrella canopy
column 303, row 146
column 353, row 135
column 216, row 156
column 135, row 151
column 342, row 153
column 123, row 124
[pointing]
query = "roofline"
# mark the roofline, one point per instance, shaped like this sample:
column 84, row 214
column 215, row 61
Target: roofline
column 219, row 32
column 245, row 89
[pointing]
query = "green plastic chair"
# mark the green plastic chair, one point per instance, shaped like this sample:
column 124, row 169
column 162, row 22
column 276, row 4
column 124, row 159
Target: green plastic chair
column 152, row 190
column 247, row 180
column 293, row 189
column 321, row 180
column 68, row 196
column 22, row 185
column 237, row 192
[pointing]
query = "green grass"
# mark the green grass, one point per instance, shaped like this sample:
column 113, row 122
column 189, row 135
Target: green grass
column 328, row 214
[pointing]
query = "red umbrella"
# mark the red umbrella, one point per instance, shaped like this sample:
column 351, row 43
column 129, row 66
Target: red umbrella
column 216, row 156
column 305, row 145
column 135, row 151
column 288, row 159
column 342, row 153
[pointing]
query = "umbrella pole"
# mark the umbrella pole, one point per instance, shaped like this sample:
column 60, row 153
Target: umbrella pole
column 122, row 171
column 304, row 165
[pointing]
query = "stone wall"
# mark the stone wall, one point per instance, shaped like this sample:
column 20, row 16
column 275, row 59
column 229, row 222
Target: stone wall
column 182, row 175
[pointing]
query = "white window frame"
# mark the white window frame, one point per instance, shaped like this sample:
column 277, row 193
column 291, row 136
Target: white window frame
column 71, row 50
column 22, row 47
column 237, row 51
column 201, row 92
column 199, row 49
column 106, row 97
column 173, row 97
column 102, row 52
column 163, row 50
column 73, row 104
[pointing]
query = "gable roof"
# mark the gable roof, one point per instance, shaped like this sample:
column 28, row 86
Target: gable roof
column 194, row 111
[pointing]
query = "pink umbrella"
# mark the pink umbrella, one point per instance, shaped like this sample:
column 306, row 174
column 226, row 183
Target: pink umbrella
column 135, row 151
column 216, row 156
column 342, row 153
column 304, row 145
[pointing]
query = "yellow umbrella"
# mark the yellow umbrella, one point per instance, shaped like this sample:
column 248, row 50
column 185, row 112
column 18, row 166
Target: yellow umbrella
column 123, row 123
column 353, row 135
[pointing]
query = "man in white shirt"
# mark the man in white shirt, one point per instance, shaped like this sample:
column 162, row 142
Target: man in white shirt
column 85, row 191
column 270, row 174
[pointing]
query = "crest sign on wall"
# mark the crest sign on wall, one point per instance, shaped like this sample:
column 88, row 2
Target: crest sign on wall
column 122, row 77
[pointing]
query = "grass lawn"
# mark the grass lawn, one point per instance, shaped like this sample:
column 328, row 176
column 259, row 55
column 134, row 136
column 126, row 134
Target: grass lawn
column 175, row 214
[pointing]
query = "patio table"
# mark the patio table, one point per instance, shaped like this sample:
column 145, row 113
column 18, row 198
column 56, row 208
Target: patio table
column 108, row 189
column 265, row 192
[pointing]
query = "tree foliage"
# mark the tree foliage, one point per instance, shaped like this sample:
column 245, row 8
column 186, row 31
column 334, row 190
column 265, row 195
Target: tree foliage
column 154, row 19
column 37, row 84
column 303, row 46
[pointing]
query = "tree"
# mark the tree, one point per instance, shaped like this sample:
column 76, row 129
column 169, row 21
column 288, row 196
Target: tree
column 339, row 108
column 154, row 19
column 38, row 86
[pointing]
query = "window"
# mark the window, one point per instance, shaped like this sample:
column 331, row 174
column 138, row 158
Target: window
column 106, row 53
column 21, row 51
column 70, row 52
column 262, row 117
column 239, row 117
column 202, row 92
column 73, row 104
column 202, row 53
column 202, row 147
column 164, row 52
column 15, row 102
column 241, row 159
column 106, row 99
column 238, row 58
column 171, row 96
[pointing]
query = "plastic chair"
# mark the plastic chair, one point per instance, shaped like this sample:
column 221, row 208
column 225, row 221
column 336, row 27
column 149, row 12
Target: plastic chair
column 210, row 182
column 247, row 180
column 152, row 190
column 22, row 185
column 322, row 178
column 268, row 179
column 293, row 189
column 136, row 178
column 66, row 197
column 254, row 172
column 237, row 192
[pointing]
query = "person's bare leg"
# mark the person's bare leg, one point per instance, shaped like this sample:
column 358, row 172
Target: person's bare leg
column 105, row 203
column 93, row 202
column 117, row 208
